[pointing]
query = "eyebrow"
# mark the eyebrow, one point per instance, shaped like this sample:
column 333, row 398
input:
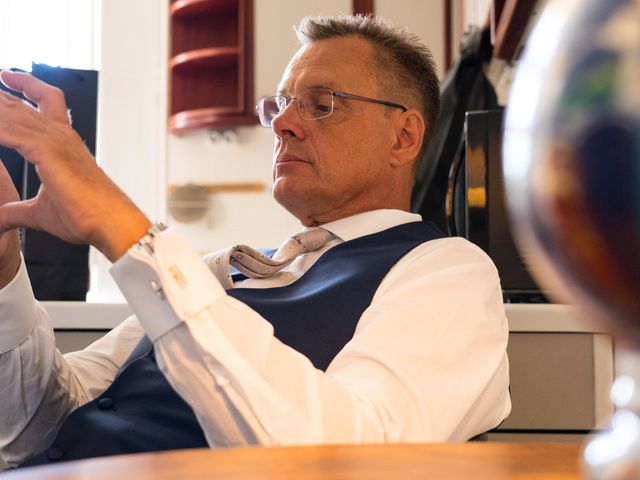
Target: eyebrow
column 332, row 88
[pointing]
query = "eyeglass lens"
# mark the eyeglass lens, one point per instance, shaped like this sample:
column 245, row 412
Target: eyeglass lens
column 312, row 104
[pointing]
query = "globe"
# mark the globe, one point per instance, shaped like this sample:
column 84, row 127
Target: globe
column 572, row 159
column 572, row 176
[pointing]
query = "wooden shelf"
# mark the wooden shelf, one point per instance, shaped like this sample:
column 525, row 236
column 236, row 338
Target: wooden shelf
column 210, row 64
column 218, row 117
column 191, row 8
column 205, row 58
column 222, row 187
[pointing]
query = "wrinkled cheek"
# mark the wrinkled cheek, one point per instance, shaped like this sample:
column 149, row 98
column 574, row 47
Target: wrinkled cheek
column 276, row 148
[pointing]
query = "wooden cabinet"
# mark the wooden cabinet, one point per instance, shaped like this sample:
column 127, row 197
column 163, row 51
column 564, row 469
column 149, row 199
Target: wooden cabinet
column 211, row 64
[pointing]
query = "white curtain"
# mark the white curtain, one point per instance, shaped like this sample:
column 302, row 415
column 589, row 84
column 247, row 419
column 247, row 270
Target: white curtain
column 62, row 33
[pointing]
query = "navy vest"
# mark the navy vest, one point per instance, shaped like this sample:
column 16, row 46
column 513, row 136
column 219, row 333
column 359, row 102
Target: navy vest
column 316, row 315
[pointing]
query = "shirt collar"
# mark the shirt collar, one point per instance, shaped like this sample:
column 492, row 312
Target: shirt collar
column 367, row 223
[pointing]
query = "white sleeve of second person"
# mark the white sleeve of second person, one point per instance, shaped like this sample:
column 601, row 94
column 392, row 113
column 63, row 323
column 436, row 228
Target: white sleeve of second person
column 39, row 387
column 427, row 361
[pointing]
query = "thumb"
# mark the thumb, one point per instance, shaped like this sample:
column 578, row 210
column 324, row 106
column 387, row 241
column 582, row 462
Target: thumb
column 16, row 215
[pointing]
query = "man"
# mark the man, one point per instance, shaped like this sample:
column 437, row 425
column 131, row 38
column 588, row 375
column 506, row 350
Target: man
column 387, row 332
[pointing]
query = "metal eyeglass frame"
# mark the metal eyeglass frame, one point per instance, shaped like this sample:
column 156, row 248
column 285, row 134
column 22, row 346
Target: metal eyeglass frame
column 345, row 95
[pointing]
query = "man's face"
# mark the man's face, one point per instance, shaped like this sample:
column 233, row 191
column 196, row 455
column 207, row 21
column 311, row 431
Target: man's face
column 336, row 166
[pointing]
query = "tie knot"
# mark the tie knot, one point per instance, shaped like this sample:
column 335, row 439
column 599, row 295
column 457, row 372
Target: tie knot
column 313, row 238
column 308, row 240
column 255, row 264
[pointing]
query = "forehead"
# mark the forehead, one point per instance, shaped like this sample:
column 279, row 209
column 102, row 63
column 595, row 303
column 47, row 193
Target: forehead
column 338, row 63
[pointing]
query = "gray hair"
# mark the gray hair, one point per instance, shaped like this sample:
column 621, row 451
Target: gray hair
column 403, row 63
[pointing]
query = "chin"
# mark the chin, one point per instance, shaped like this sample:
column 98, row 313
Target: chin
column 294, row 204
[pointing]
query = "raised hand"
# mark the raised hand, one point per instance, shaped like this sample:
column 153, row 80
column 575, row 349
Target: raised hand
column 76, row 202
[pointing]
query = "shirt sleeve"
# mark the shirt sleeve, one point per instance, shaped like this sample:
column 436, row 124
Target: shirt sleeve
column 427, row 361
column 39, row 387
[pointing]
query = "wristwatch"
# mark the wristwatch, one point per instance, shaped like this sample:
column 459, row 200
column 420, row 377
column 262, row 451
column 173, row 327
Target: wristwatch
column 148, row 241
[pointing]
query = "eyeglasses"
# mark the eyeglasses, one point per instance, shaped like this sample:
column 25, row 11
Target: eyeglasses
column 313, row 104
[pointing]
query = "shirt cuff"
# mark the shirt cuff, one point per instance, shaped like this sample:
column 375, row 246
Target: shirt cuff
column 168, row 287
column 17, row 310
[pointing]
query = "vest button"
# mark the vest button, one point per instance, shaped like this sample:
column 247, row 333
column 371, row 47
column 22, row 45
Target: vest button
column 105, row 403
column 55, row 453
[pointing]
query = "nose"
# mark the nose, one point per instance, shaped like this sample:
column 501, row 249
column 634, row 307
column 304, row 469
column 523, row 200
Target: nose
column 289, row 123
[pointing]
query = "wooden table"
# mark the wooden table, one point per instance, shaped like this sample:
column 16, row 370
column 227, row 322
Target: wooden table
column 477, row 460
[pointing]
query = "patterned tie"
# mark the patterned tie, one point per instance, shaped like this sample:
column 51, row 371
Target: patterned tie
column 255, row 264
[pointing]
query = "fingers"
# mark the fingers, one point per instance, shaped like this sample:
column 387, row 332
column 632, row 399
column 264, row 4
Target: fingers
column 49, row 99
column 17, row 214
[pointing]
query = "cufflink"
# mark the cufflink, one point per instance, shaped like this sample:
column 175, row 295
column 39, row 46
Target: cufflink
column 157, row 289
column 148, row 241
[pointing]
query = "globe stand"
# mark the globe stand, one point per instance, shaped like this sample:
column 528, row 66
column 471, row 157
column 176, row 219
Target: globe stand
column 614, row 454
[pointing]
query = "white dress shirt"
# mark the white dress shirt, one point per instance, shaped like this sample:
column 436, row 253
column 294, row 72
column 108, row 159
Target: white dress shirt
column 427, row 361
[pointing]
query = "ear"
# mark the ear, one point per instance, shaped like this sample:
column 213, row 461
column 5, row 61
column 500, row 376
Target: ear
column 409, row 134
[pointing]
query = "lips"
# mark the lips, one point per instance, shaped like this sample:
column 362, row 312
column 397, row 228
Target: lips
column 288, row 158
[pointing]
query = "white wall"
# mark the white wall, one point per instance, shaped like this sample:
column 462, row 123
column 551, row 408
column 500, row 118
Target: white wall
column 132, row 113
column 62, row 33
column 424, row 18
